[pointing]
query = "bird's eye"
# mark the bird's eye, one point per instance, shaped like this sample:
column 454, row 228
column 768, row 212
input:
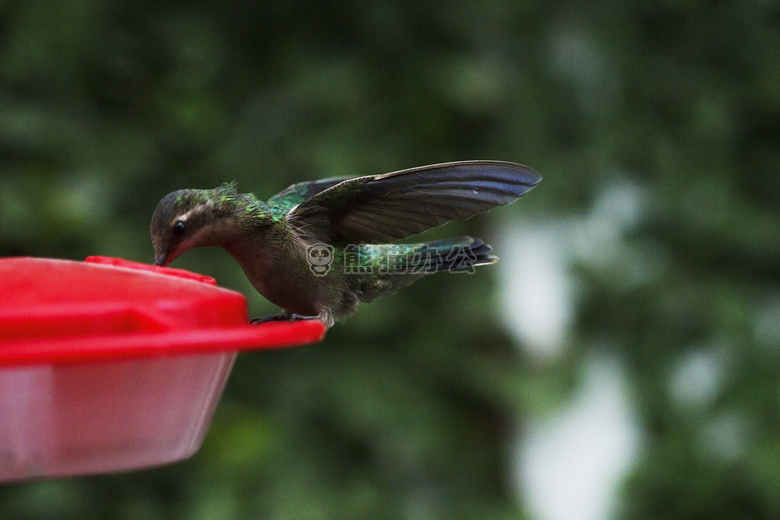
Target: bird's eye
column 178, row 228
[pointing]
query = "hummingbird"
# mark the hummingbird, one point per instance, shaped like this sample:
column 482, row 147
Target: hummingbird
column 318, row 249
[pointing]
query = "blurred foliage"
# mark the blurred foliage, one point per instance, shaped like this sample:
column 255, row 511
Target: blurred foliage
column 409, row 410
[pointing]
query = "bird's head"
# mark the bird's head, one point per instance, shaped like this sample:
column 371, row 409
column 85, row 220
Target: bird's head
column 183, row 220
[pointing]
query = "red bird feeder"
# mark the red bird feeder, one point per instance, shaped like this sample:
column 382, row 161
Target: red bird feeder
column 109, row 365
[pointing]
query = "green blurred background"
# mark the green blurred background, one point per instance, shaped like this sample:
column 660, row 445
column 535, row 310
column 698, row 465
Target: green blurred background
column 622, row 360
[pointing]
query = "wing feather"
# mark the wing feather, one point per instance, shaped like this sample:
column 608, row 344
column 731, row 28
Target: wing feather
column 396, row 205
column 302, row 191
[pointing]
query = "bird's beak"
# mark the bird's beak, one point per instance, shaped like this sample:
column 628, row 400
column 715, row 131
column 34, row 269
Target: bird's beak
column 160, row 259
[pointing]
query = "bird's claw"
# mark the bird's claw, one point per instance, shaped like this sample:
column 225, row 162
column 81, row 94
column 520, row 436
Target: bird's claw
column 282, row 316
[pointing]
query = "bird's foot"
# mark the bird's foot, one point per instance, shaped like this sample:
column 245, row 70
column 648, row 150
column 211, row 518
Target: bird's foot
column 282, row 316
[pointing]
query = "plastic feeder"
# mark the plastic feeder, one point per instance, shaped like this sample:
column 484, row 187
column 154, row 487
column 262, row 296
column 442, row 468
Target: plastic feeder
column 109, row 365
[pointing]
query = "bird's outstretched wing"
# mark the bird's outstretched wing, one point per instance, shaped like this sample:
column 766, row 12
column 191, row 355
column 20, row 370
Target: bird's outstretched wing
column 299, row 192
column 381, row 208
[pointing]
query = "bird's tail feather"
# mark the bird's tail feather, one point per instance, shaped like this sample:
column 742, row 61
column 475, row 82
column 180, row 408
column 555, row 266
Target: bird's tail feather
column 399, row 265
column 459, row 254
